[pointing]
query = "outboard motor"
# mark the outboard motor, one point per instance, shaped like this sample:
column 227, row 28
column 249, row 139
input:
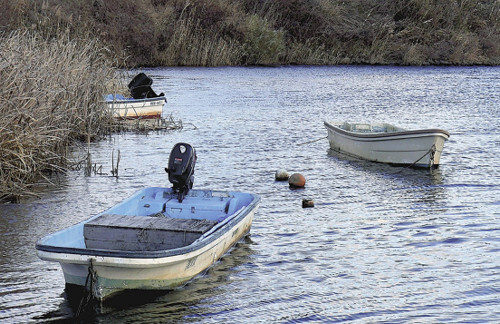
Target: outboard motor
column 181, row 169
column 140, row 87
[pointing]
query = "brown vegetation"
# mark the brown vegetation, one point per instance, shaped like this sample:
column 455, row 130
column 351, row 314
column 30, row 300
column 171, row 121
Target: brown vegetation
column 248, row 32
column 51, row 95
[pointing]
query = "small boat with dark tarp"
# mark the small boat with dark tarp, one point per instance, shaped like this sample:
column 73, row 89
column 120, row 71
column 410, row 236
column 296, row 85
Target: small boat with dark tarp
column 157, row 239
column 144, row 103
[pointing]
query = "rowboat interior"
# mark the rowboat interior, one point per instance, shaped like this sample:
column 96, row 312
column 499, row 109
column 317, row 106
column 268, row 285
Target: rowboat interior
column 368, row 128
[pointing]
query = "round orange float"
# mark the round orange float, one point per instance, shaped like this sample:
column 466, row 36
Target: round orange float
column 297, row 180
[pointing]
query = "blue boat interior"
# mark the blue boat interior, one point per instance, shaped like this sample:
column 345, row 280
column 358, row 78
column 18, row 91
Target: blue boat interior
column 116, row 97
column 198, row 204
column 154, row 201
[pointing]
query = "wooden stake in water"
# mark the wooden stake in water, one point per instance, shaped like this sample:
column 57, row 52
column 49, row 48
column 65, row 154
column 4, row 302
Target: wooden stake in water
column 114, row 170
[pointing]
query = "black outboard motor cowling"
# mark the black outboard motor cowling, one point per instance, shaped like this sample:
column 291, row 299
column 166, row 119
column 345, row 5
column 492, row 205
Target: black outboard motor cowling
column 140, row 79
column 143, row 92
column 140, row 87
column 181, row 169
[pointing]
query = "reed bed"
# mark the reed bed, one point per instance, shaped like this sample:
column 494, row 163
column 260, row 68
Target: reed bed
column 270, row 32
column 146, row 125
column 51, row 95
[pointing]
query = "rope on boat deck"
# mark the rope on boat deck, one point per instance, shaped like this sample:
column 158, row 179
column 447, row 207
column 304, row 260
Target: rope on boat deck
column 89, row 293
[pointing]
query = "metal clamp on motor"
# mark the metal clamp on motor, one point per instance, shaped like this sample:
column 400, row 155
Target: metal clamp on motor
column 181, row 169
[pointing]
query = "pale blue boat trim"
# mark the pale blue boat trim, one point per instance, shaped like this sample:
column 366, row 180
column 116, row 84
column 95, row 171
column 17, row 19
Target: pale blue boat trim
column 118, row 98
column 227, row 224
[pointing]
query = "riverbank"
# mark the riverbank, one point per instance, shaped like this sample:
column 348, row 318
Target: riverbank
column 241, row 33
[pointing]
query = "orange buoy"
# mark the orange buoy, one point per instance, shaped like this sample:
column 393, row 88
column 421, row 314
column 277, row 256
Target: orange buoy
column 297, row 180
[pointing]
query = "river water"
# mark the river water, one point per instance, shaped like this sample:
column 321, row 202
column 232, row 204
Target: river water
column 382, row 244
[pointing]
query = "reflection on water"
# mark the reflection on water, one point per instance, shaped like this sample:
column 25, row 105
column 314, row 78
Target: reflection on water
column 421, row 176
column 382, row 244
column 172, row 305
column 415, row 188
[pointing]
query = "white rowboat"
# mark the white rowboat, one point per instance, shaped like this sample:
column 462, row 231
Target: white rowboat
column 380, row 142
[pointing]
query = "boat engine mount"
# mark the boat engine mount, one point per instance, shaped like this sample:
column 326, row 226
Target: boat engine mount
column 180, row 169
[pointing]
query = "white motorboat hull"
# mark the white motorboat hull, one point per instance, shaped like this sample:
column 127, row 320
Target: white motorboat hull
column 149, row 108
column 117, row 274
column 115, row 271
column 418, row 148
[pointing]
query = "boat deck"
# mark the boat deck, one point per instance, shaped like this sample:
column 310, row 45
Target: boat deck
column 143, row 233
column 149, row 213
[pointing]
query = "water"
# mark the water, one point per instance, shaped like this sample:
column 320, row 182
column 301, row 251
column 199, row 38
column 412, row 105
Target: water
column 382, row 244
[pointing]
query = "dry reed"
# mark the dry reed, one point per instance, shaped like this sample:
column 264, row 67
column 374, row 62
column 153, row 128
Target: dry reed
column 245, row 32
column 191, row 46
column 51, row 95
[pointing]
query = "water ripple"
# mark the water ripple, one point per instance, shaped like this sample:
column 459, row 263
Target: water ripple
column 382, row 244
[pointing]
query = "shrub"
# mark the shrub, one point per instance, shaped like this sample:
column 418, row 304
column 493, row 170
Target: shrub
column 244, row 32
column 262, row 44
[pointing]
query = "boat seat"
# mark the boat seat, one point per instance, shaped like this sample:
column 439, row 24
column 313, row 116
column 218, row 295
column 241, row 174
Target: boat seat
column 233, row 206
column 209, row 209
column 150, row 205
column 189, row 208
column 132, row 233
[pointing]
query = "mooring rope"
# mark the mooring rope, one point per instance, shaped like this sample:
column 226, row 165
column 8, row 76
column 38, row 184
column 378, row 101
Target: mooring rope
column 319, row 139
column 88, row 294
column 431, row 152
column 431, row 156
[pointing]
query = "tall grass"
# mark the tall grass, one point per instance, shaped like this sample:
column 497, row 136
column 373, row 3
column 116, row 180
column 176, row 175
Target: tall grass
column 189, row 45
column 51, row 95
column 248, row 32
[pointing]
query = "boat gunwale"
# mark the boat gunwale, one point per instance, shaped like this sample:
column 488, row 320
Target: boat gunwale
column 237, row 217
column 390, row 135
column 132, row 100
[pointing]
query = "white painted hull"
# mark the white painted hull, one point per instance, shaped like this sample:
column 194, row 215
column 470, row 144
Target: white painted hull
column 150, row 108
column 117, row 270
column 117, row 274
column 419, row 148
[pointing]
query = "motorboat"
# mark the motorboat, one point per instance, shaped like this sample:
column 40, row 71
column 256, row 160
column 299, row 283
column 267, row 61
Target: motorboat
column 122, row 107
column 157, row 239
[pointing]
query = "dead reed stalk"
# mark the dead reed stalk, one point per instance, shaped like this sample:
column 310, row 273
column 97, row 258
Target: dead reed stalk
column 51, row 95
